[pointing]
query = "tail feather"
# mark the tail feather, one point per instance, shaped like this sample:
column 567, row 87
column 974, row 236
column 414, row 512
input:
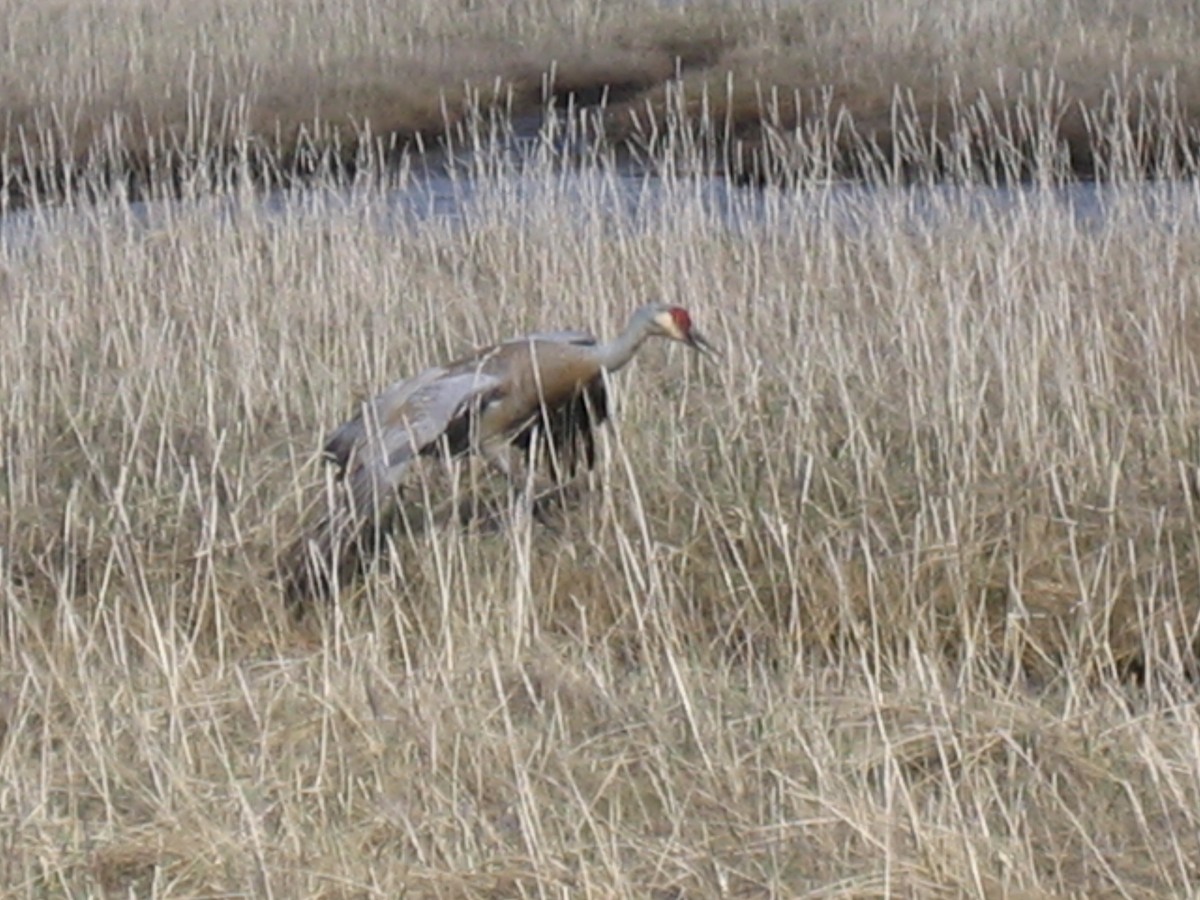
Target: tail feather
column 566, row 434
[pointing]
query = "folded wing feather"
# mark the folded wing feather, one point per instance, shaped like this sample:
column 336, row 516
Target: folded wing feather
column 407, row 419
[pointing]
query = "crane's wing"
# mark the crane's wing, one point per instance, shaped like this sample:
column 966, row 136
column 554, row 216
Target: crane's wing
column 409, row 418
column 372, row 452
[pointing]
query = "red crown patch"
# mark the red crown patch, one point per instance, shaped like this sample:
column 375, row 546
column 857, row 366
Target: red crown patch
column 682, row 319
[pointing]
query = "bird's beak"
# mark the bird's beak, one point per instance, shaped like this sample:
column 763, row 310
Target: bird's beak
column 696, row 341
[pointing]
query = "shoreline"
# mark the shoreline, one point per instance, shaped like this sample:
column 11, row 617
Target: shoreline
column 1139, row 133
column 761, row 97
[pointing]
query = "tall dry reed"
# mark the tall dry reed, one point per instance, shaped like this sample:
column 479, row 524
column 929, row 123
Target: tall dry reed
column 898, row 599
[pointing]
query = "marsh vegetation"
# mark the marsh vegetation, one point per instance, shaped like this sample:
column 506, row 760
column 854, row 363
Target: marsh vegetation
column 901, row 598
column 167, row 96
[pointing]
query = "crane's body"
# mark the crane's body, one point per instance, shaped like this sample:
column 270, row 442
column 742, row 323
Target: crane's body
column 542, row 393
column 473, row 404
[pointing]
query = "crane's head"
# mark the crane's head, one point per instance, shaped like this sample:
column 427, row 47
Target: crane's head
column 674, row 322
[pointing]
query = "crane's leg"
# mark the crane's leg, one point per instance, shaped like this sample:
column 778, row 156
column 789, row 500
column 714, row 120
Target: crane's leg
column 524, row 487
column 499, row 460
column 542, row 491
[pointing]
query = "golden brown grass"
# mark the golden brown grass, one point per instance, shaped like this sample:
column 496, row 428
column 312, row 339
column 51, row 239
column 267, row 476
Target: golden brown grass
column 278, row 90
column 898, row 599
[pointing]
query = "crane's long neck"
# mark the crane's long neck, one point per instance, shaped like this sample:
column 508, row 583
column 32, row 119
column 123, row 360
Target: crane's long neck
column 620, row 350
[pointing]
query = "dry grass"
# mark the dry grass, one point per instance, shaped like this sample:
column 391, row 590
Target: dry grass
column 899, row 599
column 279, row 90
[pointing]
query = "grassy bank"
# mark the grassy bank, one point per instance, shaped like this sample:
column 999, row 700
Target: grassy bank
column 206, row 91
column 899, row 598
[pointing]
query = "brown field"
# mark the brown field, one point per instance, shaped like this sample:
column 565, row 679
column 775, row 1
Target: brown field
column 900, row 598
column 103, row 93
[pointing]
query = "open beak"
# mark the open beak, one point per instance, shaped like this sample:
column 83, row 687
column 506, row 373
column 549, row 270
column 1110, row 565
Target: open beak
column 696, row 341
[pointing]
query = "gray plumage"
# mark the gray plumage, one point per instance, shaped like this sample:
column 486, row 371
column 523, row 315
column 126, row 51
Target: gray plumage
column 542, row 393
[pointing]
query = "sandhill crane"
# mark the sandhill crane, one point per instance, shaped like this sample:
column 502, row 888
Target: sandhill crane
column 542, row 393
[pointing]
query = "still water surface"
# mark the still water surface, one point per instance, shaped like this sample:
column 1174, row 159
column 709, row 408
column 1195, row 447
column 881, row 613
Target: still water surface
column 514, row 193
